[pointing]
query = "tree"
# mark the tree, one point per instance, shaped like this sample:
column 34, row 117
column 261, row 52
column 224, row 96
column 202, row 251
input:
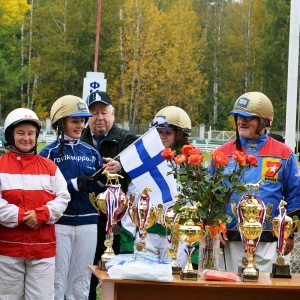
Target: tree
column 12, row 14
column 161, row 54
column 199, row 55
column 273, row 57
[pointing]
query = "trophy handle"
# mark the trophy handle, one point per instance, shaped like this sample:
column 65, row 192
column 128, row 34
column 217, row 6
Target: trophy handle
column 93, row 201
column 269, row 218
column 271, row 227
column 205, row 232
column 160, row 214
column 296, row 224
column 130, row 203
column 233, row 208
column 269, row 208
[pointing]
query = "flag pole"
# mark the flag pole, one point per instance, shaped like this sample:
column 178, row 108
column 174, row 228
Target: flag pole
column 292, row 80
column 97, row 36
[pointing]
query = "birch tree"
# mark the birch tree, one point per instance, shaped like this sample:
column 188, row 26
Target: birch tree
column 161, row 52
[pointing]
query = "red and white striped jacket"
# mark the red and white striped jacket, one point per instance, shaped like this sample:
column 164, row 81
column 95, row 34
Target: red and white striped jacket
column 30, row 182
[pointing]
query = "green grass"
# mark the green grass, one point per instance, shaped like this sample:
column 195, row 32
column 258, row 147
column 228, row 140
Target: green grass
column 206, row 156
column 41, row 146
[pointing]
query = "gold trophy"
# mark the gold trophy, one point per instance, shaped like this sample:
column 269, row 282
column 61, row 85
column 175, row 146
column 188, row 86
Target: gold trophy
column 282, row 227
column 114, row 203
column 174, row 240
column 250, row 213
column 188, row 232
column 143, row 215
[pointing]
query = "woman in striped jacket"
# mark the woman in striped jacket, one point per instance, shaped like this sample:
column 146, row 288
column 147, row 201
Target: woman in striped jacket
column 33, row 196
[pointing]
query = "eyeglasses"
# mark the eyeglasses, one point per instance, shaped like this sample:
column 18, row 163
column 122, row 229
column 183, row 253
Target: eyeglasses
column 247, row 119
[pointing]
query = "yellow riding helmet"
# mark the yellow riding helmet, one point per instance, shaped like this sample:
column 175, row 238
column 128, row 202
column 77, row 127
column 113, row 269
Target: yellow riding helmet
column 68, row 106
column 173, row 117
column 254, row 104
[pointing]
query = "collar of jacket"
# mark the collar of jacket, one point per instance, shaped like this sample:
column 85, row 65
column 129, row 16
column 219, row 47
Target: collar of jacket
column 258, row 142
column 112, row 136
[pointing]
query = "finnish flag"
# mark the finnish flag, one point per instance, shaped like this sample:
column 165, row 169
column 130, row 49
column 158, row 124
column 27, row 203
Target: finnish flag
column 145, row 166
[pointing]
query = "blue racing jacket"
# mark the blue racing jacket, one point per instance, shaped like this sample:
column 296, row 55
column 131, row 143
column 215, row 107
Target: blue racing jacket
column 80, row 159
column 278, row 170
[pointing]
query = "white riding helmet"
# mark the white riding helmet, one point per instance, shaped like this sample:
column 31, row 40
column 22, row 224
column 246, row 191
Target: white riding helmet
column 17, row 116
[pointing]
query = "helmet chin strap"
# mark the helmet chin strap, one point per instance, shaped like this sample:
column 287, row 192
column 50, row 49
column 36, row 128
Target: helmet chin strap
column 13, row 146
column 181, row 138
column 237, row 140
column 33, row 150
column 262, row 127
column 261, row 130
column 60, row 131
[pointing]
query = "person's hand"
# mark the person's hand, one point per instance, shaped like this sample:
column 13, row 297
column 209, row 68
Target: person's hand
column 83, row 183
column 30, row 219
column 112, row 166
column 289, row 245
column 223, row 239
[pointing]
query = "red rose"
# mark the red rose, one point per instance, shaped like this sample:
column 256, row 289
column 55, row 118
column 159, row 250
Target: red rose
column 185, row 149
column 195, row 151
column 180, row 159
column 251, row 160
column 219, row 158
column 195, row 159
column 239, row 157
column 168, row 153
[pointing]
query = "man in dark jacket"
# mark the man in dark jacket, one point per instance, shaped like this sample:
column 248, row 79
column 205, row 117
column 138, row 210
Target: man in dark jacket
column 110, row 140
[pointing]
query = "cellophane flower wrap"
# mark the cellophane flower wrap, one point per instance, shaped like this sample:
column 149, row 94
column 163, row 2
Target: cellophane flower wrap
column 210, row 189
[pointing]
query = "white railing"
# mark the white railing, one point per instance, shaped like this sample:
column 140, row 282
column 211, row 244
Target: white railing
column 206, row 147
column 50, row 139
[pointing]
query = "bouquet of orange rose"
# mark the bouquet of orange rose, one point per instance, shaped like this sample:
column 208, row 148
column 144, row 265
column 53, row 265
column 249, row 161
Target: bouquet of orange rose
column 210, row 189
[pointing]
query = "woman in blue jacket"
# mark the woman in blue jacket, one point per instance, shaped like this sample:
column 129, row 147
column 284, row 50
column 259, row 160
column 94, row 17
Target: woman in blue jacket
column 77, row 229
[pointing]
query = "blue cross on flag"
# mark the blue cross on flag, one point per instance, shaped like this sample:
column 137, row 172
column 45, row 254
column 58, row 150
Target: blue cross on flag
column 145, row 166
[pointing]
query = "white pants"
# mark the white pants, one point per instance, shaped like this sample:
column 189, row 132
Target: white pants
column 265, row 255
column 28, row 279
column 75, row 251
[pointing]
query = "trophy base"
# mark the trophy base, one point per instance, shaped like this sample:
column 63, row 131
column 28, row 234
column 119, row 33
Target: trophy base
column 176, row 270
column 281, row 271
column 104, row 260
column 102, row 265
column 248, row 277
column 188, row 276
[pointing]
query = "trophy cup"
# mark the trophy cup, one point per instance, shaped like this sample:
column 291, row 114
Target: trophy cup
column 114, row 203
column 169, row 222
column 143, row 215
column 282, row 227
column 188, row 232
column 250, row 213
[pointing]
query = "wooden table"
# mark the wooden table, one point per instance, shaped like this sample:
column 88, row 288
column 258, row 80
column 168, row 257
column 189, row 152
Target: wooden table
column 265, row 288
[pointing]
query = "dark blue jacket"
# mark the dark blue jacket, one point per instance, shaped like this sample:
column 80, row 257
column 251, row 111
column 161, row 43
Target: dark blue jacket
column 80, row 159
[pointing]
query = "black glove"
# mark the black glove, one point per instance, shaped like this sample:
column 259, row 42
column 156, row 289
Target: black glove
column 100, row 177
column 83, row 183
